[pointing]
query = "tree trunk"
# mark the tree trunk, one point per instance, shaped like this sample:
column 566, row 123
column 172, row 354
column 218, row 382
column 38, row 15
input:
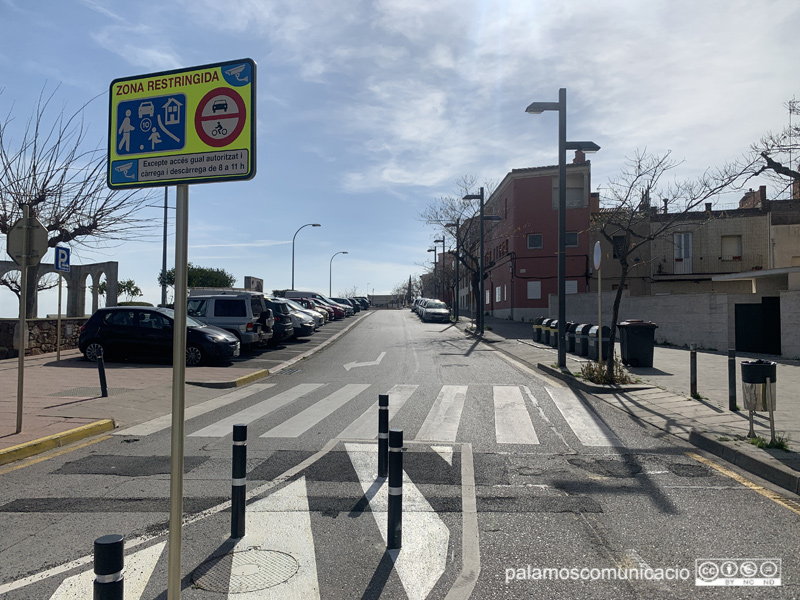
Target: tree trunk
column 612, row 337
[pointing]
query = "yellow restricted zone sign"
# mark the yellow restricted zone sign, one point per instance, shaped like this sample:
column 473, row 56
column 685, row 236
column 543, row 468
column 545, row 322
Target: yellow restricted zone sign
column 187, row 126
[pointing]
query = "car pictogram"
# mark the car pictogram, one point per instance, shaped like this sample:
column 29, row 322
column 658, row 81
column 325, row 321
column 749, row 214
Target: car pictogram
column 219, row 105
column 146, row 108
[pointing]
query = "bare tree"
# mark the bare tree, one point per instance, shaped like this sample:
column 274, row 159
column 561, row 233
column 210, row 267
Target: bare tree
column 774, row 155
column 628, row 221
column 54, row 170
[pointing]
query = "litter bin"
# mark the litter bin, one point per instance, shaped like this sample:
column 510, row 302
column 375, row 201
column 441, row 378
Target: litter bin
column 554, row 333
column 758, row 395
column 537, row 329
column 594, row 345
column 637, row 340
column 571, row 327
column 546, row 331
column 582, row 339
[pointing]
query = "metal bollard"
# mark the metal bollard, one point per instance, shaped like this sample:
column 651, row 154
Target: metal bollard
column 732, row 379
column 693, row 370
column 383, row 435
column 394, row 537
column 238, row 480
column 109, row 558
column 101, row 370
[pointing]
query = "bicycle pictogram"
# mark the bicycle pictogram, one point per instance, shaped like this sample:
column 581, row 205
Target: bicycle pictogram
column 219, row 130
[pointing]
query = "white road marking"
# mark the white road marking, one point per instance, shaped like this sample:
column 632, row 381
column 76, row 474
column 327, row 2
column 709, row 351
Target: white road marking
column 589, row 430
column 138, row 570
column 365, row 427
column 282, row 522
column 442, row 421
column 225, row 426
column 446, row 452
column 423, row 558
column 305, row 420
column 165, row 422
column 512, row 422
column 371, row 363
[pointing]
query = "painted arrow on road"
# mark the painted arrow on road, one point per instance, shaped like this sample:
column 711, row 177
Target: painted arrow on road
column 371, row 363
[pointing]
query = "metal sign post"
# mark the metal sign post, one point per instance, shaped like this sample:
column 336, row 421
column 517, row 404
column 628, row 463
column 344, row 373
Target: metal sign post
column 61, row 264
column 597, row 260
column 23, row 309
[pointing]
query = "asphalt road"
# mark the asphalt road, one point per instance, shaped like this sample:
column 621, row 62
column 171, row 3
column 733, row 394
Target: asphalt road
column 514, row 487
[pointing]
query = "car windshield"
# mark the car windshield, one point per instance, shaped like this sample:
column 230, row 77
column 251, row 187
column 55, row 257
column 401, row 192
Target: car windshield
column 190, row 322
column 436, row 304
column 295, row 305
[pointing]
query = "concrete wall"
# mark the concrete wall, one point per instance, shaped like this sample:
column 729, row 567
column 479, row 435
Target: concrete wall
column 790, row 323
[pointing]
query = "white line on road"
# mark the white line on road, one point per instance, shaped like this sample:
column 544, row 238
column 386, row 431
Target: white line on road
column 305, row 420
column 371, row 363
column 442, row 421
column 512, row 422
column 589, row 430
column 365, row 427
column 225, row 426
column 165, row 421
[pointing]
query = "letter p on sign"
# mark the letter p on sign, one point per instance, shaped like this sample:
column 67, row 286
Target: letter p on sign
column 62, row 259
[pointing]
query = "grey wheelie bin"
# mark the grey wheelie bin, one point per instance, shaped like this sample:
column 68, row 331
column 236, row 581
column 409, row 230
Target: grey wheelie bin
column 571, row 327
column 582, row 339
column 637, row 340
column 537, row 329
column 594, row 343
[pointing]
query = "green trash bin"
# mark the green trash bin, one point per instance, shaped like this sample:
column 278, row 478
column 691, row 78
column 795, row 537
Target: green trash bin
column 637, row 341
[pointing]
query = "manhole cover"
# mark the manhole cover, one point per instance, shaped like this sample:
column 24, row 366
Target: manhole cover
column 245, row 571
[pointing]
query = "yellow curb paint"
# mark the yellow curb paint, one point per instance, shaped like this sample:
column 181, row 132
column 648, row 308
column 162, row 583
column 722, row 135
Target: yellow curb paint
column 15, row 453
column 774, row 496
column 244, row 380
column 72, row 448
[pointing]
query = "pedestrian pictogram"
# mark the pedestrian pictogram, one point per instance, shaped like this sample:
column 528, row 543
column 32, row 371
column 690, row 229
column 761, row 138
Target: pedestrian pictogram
column 152, row 125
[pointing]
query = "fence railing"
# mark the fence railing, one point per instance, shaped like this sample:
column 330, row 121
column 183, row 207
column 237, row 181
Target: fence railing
column 708, row 265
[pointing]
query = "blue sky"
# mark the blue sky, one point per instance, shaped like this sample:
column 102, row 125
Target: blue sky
column 370, row 110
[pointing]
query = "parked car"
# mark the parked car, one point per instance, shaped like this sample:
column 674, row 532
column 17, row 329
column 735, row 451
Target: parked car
column 326, row 311
column 242, row 313
column 338, row 310
column 363, row 301
column 284, row 328
column 348, row 308
column 130, row 332
column 316, row 316
column 435, row 310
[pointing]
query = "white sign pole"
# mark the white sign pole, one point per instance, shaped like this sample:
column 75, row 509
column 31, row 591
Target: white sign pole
column 178, row 392
column 23, row 309
column 597, row 260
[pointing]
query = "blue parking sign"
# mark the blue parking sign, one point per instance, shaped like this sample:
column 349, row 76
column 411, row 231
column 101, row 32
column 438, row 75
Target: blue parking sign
column 62, row 259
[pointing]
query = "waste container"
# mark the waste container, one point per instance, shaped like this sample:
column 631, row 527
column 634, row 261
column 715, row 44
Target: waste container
column 537, row 329
column 582, row 339
column 594, row 345
column 637, row 340
column 554, row 333
column 571, row 327
column 546, row 331
column 757, row 394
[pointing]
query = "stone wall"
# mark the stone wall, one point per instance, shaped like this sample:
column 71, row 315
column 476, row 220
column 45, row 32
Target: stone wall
column 42, row 336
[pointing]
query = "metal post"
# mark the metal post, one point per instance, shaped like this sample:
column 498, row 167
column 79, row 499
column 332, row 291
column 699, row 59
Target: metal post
column 771, row 412
column 599, row 319
column 58, row 323
column 732, row 380
column 693, row 370
column 23, row 313
column 562, row 227
column 394, row 537
column 178, row 394
column 481, row 301
column 164, row 252
column 101, row 371
column 109, row 558
column 238, row 480
column 383, row 435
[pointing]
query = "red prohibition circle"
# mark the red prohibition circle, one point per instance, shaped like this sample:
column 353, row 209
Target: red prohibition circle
column 209, row 101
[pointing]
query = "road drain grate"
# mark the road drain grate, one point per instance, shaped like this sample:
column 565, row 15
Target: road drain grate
column 243, row 571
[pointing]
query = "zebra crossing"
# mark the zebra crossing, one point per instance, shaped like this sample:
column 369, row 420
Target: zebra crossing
column 517, row 413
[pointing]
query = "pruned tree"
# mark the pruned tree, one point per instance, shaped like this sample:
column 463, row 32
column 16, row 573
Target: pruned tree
column 628, row 221
column 773, row 156
column 200, row 277
column 54, row 169
column 126, row 286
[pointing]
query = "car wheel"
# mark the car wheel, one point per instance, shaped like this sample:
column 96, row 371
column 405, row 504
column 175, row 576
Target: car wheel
column 194, row 356
column 93, row 351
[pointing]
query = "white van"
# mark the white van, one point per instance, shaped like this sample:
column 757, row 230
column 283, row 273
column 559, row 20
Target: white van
column 241, row 312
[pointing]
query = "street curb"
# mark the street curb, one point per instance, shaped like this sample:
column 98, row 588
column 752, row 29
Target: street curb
column 774, row 473
column 28, row 449
column 590, row 388
column 238, row 382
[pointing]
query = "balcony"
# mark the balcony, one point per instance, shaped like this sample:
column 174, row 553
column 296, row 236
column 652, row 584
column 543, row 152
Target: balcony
column 707, row 265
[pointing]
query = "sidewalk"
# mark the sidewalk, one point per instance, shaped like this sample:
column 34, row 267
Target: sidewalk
column 667, row 404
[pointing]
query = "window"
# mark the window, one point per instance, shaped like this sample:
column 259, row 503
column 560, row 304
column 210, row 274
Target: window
column 571, row 238
column 151, row 320
column 534, row 241
column 497, row 294
column 731, row 247
column 487, row 297
column 534, row 290
column 505, row 295
column 196, row 308
column 619, row 244
column 121, row 318
column 229, row 308
column 571, row 287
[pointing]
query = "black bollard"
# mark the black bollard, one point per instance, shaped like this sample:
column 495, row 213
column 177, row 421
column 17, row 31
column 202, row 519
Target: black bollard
column 731, row 379
column 101, row 370
column 238, row 480
column 394, row 537
column 693, row 370
column 109, row 557
column 383, row 435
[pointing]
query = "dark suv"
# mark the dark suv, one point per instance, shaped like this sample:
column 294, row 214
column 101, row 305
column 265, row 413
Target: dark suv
column 283, row 328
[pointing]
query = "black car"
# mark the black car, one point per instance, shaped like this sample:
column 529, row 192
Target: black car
column 283, row 328
column 146, row 333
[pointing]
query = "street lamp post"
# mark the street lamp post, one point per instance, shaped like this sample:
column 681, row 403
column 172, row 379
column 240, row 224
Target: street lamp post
column 441, row 266
column 295, row 235
column 536, row 108
column 479, row 321
column 434, row 268
column 458, row 281
column 330, row 280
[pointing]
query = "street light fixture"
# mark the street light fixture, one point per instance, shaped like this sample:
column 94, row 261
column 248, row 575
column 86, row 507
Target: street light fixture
column 536, row 108
column 295, row 235
column 458, row 280
column 330, row 280
column 434, row 268
column 441, row 267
